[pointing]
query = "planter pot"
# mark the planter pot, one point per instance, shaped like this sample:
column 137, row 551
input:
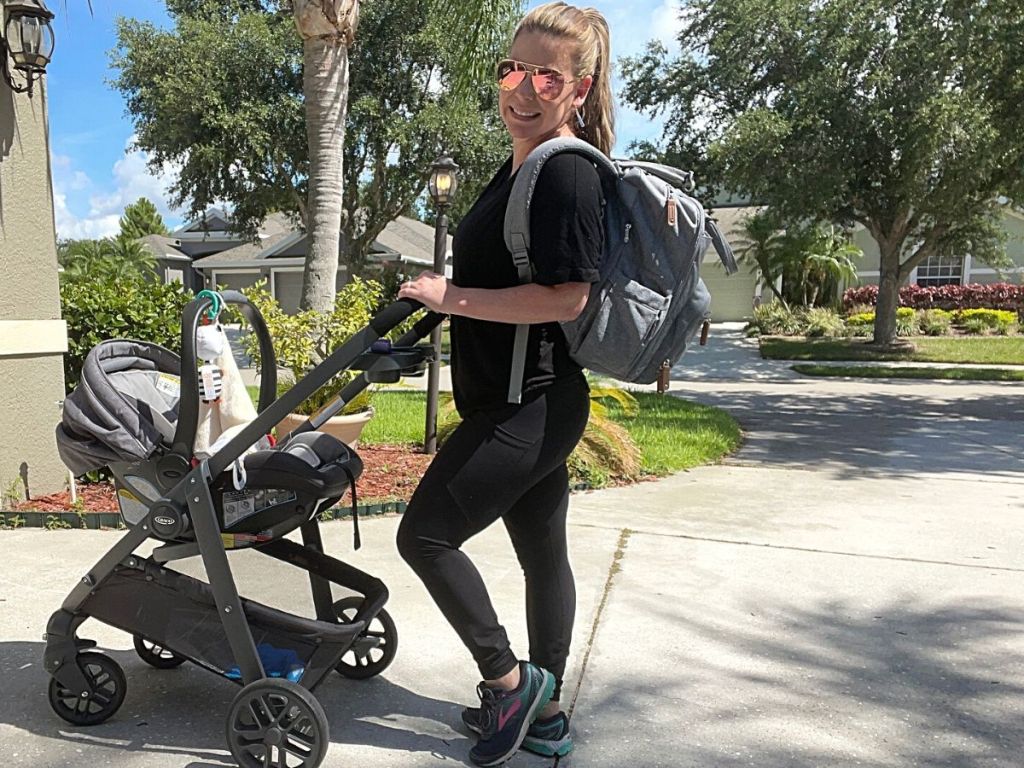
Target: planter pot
column 346, row 428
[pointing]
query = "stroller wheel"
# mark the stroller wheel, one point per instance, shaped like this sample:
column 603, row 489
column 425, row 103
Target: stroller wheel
column 276, row 722
column 156, row 655
column 107, row 688
column 374, row 649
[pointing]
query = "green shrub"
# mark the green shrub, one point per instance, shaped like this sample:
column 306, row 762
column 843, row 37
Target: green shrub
column 934, row 322
column 100, row 309
column 860, row 323
column 774, row 319
column 304, row 339
column 1001, row 321
column 822, row 322
column 906, row 322
column 976, row 326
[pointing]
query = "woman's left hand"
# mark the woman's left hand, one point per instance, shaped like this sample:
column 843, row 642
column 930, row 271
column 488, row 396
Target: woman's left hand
column 430, row 289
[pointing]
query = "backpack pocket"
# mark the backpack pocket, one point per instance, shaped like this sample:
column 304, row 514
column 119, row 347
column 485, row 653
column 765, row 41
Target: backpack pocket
column 628, row 316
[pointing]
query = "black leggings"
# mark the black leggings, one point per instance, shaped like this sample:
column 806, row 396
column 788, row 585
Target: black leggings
column 506, row 463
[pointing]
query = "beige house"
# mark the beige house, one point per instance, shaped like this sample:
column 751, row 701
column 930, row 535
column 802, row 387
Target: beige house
column 33, row 337
column 956, row 270
column 733, row 297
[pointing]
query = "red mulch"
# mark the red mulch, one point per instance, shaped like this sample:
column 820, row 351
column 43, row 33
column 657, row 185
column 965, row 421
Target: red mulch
column 391, row 473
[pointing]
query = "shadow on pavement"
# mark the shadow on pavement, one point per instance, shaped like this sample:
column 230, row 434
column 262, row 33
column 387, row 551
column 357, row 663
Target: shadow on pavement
column 832, row 684
column 897, row 431
column 182, row 712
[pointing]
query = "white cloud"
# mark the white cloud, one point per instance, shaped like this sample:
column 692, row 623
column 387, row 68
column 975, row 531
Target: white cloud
column 71, row 226
column 130, row 180
column 666, row 24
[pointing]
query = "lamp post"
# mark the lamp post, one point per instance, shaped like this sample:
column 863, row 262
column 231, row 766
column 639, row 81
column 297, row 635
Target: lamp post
column 443, row 183
column 27, row 41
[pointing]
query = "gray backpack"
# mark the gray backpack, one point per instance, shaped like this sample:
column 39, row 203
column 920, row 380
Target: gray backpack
column 650, row 301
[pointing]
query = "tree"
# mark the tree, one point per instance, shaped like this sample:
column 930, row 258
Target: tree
column 109, row 259
column 266, row 120
column 759, row 244
column 141, row 218
column 901, row 115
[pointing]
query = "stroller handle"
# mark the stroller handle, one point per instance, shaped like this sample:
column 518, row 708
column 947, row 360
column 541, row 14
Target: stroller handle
column 188, row 406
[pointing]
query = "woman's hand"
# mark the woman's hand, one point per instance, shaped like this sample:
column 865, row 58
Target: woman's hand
column 430, row 289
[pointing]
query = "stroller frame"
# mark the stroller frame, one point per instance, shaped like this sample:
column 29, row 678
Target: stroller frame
column 187, row 506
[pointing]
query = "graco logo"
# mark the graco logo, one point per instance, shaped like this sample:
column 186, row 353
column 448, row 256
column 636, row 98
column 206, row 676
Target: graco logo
column 164, row 520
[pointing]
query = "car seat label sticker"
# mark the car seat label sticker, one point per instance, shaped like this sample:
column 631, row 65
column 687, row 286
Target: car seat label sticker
column 169, row 385
column 239, row 505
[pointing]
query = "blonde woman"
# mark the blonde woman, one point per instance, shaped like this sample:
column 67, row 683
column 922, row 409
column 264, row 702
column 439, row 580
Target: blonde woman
column 508, row 461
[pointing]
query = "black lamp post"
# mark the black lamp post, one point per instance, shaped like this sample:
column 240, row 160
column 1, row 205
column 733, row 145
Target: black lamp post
column 443, row 183
column 27, row 41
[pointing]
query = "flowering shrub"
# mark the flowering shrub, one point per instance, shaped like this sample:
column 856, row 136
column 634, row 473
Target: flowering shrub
column 1005, row 296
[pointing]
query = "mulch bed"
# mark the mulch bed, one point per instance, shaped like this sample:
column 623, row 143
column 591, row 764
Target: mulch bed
column 391, row 473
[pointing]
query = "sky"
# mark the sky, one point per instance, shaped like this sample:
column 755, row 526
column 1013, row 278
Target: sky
column 96, row 172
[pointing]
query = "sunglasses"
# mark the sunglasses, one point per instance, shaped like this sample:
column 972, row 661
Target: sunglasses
column 547, row 83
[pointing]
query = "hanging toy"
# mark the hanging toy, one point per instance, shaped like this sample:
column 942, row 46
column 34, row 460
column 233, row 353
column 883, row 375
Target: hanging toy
column 209, row 347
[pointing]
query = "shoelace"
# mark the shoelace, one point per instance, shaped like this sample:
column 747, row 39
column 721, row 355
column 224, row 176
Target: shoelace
column 488, row 710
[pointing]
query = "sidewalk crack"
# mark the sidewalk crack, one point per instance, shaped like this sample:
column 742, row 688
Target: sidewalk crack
column 613, row 569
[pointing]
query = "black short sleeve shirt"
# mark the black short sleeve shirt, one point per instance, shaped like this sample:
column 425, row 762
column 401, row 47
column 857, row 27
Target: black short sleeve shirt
column 566, row 240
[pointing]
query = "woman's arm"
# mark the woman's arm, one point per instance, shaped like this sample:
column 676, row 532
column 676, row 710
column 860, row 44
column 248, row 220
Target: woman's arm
column 530, row 303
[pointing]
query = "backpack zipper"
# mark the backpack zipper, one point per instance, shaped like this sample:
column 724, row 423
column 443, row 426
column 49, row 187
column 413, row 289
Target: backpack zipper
column 628, row 227
column 670, row 209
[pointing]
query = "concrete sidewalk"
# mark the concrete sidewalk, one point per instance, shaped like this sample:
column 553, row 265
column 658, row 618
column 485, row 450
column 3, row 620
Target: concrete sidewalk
column 843, row 591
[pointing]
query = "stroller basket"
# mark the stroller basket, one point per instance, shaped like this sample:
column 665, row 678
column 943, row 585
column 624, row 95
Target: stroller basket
column 179, row 613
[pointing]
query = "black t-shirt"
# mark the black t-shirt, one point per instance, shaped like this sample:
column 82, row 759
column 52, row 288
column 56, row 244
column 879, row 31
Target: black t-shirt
column 566, row 240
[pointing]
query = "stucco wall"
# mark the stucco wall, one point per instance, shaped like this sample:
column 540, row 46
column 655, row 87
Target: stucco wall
column 31, row 364
column 1013, row 224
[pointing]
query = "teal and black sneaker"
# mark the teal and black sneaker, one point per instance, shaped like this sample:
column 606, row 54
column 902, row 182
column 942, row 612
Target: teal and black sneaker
column 506, row 716
column 547, row 737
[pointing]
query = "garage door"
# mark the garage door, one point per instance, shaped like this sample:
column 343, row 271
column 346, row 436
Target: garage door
column 732, row 296
column 288, row 290
column 235, row 281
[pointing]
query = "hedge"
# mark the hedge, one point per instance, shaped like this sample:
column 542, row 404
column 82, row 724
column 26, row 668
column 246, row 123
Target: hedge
column 97, row 310
column 952, row 297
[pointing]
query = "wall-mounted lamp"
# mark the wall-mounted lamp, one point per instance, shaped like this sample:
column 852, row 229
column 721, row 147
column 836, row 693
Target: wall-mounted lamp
column 27, row 42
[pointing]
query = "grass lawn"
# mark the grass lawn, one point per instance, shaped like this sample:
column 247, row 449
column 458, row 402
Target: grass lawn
column 675, row 434
column 991, row 350
column 883, row 372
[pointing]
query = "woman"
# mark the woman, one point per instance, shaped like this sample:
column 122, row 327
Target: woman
column 508, row 461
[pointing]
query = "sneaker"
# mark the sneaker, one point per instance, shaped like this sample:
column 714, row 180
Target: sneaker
column 506, row 716
column 548, row 737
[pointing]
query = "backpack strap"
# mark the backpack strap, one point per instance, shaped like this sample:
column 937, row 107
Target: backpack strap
column 517, row 231
column 721, row 245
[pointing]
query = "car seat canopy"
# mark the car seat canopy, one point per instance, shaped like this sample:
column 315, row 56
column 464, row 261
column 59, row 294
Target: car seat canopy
column 125, row 407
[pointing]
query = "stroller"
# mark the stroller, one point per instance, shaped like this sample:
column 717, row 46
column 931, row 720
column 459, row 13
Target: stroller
column 135, row 412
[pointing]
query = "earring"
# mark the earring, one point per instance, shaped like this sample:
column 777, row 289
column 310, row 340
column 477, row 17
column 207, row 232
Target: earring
column 579, row 119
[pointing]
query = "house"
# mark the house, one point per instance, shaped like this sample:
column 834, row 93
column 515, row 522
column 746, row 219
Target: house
column 206, row 254
column 732, row 297
column 955, row 270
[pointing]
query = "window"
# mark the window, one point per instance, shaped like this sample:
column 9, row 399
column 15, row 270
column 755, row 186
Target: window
column 941, row 270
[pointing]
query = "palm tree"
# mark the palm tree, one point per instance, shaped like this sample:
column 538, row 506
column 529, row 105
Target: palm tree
column 328, row 29
column 760, row 245
column 827, row 263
